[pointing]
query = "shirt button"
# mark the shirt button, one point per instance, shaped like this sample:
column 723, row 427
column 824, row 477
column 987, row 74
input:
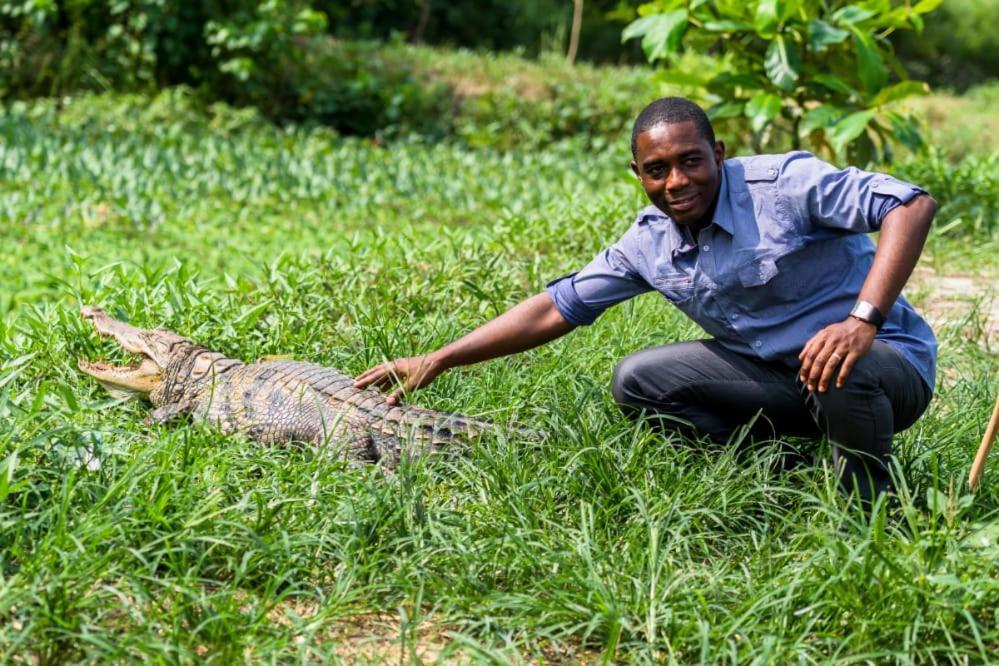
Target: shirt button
column 735, row 315
column 707, row 248
column 758, row 344
column 772, row 172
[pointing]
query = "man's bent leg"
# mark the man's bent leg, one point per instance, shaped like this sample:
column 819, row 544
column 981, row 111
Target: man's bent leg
column 883, row 395
column 712, row 389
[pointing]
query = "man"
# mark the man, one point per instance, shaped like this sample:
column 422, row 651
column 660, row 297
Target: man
column 769, row 255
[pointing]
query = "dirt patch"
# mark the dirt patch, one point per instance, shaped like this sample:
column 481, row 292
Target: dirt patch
column 381, row 638
column 966, row 301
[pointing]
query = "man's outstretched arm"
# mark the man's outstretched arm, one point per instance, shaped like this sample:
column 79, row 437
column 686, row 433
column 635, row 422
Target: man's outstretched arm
column 528, row 324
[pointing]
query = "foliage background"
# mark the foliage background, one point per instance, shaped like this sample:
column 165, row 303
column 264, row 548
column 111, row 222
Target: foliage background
column 343, row 64
column 296, row 178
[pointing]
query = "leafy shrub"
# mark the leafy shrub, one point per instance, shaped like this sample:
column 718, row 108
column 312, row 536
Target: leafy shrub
column 817, row 71
column 968, row 192
column 365, row 89
column 503, row 119
column 273, row 55
column 49, row 48
column 959, row 47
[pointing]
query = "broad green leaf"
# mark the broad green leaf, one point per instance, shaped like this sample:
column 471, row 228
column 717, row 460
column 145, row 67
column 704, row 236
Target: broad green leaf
column 637, row 28
column 782, row 63
column 725, row 110
column 821, row 117
column 680, row 77
column 787, row 9
column 926, row 6
column 821, row 35
column 661, row 33
column 851, row 14
column 848, row 129
column 834, row 83
column 726, row 26
column 900, row 91
column 7, row 469
column 905, row 130
column 761, row 109
column 870, row 66
column 246, row 320
column 725, row 83
column 936, row 501
column 767, row 14
column 650, row 8
column 897, row 18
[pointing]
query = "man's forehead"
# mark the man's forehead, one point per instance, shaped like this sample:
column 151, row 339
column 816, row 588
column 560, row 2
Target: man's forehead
column 670, row 139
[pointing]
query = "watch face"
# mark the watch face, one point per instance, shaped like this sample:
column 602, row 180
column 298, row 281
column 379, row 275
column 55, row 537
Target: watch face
column 867, row 312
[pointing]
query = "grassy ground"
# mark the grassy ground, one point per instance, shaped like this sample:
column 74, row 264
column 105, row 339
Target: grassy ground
column 121, row 541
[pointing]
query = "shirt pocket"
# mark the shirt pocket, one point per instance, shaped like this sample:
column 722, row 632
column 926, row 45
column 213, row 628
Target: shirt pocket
column 678, row 289
column 757, row 271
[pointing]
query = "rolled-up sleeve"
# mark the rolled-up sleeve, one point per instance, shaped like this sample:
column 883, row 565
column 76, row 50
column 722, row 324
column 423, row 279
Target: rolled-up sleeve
column 613, row 276
column 850, row 199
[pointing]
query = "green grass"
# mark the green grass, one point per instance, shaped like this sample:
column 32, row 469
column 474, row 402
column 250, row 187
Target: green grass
column 124, row 542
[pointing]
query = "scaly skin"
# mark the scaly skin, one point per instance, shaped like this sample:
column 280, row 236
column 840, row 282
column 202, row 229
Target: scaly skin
column 271, row 401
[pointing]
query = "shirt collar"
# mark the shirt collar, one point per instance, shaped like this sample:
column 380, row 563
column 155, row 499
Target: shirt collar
column 723, row 209
column 722, row 216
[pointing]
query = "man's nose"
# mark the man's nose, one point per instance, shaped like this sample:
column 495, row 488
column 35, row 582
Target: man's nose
column 676, row 180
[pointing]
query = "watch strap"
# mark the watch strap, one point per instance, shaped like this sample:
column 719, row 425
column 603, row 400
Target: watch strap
column 867, row 312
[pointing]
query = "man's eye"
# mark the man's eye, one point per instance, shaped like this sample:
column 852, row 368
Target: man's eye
column 693, row 161
column 657, row 172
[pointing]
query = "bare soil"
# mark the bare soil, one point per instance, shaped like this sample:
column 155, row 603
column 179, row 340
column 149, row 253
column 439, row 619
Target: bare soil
column 969, row 301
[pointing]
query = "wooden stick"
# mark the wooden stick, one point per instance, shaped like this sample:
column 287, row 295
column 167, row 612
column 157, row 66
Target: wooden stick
column 984, row 447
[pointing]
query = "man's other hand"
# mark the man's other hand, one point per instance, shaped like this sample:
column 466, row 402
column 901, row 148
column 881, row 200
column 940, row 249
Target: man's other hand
column 836, row 347
column 404, row 374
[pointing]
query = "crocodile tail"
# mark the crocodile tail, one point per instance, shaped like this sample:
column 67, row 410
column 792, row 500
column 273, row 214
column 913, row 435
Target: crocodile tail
column 443, row 428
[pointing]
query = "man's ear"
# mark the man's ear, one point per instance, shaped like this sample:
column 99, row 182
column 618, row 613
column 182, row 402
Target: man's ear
column 719, row 152
column 634, row 169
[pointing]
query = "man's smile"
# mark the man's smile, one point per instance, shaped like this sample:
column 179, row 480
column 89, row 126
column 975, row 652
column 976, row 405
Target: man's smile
column 683, row 203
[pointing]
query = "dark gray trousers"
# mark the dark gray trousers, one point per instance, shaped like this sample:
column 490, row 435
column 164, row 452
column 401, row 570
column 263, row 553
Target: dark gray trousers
column 701, row 388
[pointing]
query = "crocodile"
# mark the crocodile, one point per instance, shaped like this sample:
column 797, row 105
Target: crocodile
column 270, row 401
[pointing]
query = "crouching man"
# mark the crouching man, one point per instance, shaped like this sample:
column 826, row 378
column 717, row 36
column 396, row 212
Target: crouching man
column 770, row 256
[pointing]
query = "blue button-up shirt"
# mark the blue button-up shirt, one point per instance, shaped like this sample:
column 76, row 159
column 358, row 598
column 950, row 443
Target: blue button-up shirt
column 784, row 257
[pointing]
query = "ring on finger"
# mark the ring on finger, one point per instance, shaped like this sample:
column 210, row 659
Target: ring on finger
column 836, row 356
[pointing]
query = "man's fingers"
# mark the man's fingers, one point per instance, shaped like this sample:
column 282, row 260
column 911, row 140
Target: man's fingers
column 809, row 357
column 380, row 375
column 832, row 363
column 844, row 371
column 817, row 364
column 396, row 396
column 364, row 378
column 369, row 376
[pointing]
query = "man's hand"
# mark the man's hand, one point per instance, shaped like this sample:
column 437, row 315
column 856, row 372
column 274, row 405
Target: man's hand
column 836, row 347
column 406, row 374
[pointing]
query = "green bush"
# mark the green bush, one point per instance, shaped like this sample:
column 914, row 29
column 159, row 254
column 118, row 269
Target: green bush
column 271, row 55
column 968, row 192
column 819, row 73
column 958, row 48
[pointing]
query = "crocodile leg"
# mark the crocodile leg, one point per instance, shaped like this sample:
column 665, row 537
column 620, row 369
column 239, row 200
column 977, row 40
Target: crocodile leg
column 166, row 413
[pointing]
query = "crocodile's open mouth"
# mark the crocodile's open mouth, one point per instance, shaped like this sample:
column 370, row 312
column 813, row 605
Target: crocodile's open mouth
column 124, row 381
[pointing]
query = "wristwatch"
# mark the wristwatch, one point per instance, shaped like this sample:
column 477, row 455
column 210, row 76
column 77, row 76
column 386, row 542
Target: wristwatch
column 867, row 312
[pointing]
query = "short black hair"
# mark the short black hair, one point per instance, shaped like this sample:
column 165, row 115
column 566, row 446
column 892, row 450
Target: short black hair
column 667, row 111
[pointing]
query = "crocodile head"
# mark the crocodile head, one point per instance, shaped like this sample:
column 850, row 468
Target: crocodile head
column 157, row 347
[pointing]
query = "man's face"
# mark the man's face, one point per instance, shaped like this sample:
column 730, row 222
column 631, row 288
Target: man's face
column 680, row 170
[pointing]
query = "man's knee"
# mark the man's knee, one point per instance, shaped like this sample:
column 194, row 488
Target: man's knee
column 862, row 385
column 625, row 383
column 638, row 379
